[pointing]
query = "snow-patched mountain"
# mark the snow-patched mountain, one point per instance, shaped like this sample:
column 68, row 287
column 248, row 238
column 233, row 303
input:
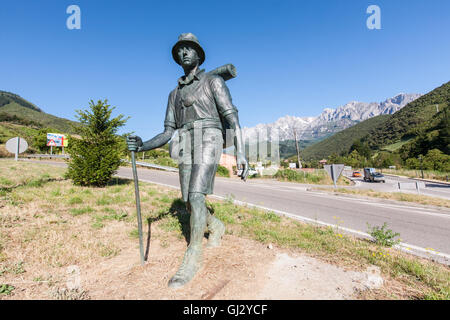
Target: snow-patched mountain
column 329, row 121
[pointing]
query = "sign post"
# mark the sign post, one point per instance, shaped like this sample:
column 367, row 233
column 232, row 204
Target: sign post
column 334, row 170
column 16, row 145
column 17, row 149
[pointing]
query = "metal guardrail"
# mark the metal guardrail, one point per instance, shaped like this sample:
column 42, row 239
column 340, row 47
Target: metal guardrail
column 419, row 179
column 66, row 156
column 154, row 166
column 48, row 156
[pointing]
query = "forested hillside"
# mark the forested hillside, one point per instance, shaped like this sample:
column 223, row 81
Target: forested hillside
column 24, row 112
column 416, row 118
column 341, row 142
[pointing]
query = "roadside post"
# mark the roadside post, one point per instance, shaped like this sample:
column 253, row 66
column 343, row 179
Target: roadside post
column 334, row 170
column 138, row 205
column 421, row 164
column 16, row 145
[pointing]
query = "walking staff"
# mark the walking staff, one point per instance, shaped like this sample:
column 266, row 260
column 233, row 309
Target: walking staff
column 138, row 205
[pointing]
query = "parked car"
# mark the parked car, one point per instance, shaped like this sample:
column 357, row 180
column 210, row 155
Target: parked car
column 356, row 174
column 370, row 175
column 251, row 172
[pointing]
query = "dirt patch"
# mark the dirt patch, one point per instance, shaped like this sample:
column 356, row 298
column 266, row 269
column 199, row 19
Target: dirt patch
column 302, row 277
column 240, row 269
column 228, row 272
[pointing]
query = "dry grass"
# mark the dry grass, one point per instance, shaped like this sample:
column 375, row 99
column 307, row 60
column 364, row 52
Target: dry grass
column 427, row 174
column 48, row 225
column 318, row 176
column 399, row 196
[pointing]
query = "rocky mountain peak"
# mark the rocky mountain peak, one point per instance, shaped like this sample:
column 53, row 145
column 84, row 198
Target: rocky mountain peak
column 330, row 120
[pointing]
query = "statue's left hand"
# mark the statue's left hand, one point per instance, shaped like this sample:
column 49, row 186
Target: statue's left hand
column 242, row 164
column 134, row 143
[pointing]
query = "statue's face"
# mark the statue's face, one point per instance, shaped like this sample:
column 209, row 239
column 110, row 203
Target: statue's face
column 188, row 56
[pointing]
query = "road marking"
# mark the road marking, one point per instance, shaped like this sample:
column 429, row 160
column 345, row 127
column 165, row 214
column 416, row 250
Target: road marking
column 444, row 214
column 405, row 247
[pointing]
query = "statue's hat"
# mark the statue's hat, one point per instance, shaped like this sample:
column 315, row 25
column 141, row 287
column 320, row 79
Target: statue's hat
column 189, row 39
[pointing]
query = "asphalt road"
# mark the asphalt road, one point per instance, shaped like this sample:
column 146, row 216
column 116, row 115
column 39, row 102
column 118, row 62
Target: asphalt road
column 418, row 225
column 426, row 227
column 428, row 188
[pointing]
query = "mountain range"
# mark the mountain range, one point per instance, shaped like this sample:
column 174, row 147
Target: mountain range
column 421, row 125
column 329, row 122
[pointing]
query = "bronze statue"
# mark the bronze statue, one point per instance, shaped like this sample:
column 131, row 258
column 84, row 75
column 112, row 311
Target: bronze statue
column 200, row 108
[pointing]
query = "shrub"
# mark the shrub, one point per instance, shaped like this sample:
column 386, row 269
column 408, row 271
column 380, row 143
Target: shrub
column 383, row 236
column 302, row 177
column 222, row 171
column 96, row 156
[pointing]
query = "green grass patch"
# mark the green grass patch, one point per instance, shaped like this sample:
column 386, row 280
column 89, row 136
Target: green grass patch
column 4, row 182
column 395, row 146
column 56, row 193
column 171, row 223
column 319, row 176
column 75, row 200
column 111, row 216
column 6, row 289
column 79, row 211
column 134, row 233
column 104, row 201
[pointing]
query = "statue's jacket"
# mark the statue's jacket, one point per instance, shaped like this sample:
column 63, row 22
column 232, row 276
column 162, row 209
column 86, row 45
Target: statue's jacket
column 201, row 100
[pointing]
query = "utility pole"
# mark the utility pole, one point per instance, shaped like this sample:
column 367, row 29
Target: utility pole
column 421, row 167
column 296, row 147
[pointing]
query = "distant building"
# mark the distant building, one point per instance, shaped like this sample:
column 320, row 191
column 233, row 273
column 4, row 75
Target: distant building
column 323, row 162
column 228, row 161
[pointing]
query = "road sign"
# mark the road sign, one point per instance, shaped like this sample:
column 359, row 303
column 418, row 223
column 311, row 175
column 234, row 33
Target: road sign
column 16, row 145
column 334, row 170
column 56, row 140
column 11, row 145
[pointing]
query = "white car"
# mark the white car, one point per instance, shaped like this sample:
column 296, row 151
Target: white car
column 251, row 172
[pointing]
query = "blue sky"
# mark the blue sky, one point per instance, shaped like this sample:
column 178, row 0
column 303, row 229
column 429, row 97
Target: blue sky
column 292, row 57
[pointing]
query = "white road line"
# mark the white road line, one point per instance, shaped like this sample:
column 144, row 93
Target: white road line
column 444, row 214
column 359, row 200
column 405, row 247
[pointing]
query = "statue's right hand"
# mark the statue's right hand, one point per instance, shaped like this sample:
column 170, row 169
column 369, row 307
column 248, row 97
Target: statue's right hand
column 134, row 143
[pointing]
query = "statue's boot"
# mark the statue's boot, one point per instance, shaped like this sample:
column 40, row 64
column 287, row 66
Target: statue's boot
column 193, row 257
column 216, row 231
column 191, row 264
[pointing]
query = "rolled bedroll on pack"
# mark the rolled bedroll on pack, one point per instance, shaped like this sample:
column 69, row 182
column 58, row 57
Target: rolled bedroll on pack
column 227, row 71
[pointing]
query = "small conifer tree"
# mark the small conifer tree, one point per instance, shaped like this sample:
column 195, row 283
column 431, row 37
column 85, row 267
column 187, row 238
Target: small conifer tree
column 95, row 156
